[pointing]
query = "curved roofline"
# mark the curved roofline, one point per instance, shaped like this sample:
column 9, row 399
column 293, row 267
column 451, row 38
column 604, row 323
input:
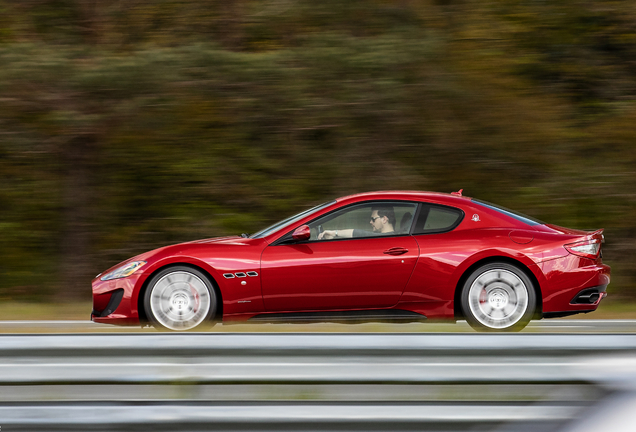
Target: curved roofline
column 402, row 193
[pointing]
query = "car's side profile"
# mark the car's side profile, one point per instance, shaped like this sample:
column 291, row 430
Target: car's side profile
column 383, row 256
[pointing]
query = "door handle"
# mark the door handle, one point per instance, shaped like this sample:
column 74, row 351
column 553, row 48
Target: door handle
column 396, row 251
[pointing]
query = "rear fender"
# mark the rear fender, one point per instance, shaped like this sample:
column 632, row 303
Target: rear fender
column 465, row 269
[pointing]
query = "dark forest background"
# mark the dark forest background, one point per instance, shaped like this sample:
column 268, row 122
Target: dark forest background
column 128, row 125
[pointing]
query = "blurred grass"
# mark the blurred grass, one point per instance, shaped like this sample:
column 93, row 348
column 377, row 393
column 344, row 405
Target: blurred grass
column 80, row 311
column 18, row 311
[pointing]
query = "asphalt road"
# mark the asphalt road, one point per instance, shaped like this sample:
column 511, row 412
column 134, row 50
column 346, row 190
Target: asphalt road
column 543, row 326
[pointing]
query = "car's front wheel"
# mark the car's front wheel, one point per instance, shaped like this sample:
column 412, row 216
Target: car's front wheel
column 498, row 297
column 179, row 299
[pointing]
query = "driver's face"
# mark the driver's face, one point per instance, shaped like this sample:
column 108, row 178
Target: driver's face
column 376, row 221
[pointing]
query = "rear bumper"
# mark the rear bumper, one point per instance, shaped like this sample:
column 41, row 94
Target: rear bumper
column 590, row 296
column 573, row 285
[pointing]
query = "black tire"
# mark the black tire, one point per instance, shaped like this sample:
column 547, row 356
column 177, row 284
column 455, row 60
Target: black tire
column 498, row 297
column 180, row 298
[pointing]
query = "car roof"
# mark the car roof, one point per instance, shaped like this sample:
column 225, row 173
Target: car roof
column 406, row 195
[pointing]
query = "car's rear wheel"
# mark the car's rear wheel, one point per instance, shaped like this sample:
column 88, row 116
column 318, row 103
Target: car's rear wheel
column 498, row 297
column 179, row 299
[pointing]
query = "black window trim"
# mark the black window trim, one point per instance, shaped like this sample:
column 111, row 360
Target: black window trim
column 286, row 239
column 420, row 206
column 459, row 220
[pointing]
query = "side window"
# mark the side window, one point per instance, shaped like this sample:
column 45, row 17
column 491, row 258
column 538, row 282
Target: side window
column 436, row 219
column 365, row 220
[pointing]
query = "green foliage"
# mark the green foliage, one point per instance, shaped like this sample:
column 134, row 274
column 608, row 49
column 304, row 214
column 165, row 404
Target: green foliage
column 125, row 126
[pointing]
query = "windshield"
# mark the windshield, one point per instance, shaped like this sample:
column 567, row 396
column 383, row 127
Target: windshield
column 289, row 221
column 513, row 214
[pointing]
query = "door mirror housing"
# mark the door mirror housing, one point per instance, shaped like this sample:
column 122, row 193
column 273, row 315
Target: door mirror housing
column 302, row 233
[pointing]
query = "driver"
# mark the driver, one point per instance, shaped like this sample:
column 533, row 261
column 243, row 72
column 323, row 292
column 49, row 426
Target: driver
column 382, row 222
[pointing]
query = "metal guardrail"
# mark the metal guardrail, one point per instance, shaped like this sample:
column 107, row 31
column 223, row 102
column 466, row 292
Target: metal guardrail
column 305, row 382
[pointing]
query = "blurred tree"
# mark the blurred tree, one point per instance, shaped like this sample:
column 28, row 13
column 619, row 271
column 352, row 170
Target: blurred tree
column 129, row 125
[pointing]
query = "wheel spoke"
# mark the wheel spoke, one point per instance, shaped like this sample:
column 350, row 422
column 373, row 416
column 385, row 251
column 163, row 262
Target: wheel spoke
column 180, row 300
column 498, row 298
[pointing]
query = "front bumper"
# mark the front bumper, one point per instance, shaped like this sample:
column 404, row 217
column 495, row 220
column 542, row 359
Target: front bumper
column 112, row 305
column 115, row 301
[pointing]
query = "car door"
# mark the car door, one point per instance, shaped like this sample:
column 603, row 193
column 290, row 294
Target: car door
column 441, row 250
column 369, row 271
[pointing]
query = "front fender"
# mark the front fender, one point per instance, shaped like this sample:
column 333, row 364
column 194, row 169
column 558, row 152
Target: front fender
column 162, row 263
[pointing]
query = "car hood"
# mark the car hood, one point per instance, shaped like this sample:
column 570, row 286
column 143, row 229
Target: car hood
column 237, row 240
column 188, row 247
column 177, row 249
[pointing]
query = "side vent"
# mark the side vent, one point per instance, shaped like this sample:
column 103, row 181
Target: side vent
column 228, row 275
column 240, row 274
column 252, row 273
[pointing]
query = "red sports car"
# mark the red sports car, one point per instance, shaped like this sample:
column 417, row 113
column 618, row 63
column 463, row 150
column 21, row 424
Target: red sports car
column 382, row 256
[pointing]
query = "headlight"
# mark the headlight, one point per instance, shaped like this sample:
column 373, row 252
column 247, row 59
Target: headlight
column 123, row 271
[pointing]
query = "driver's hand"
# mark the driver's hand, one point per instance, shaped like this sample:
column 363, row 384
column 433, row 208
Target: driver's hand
column 327, row 235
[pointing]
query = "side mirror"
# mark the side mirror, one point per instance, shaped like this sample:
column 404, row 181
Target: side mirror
column 302, row 233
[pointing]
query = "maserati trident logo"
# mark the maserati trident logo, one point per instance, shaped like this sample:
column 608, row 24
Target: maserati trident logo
column 475, row 217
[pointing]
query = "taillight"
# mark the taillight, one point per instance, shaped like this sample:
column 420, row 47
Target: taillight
column 587, row 248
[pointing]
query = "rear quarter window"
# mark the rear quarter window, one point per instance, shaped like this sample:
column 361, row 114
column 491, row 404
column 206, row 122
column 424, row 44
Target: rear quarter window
column 437, row 219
